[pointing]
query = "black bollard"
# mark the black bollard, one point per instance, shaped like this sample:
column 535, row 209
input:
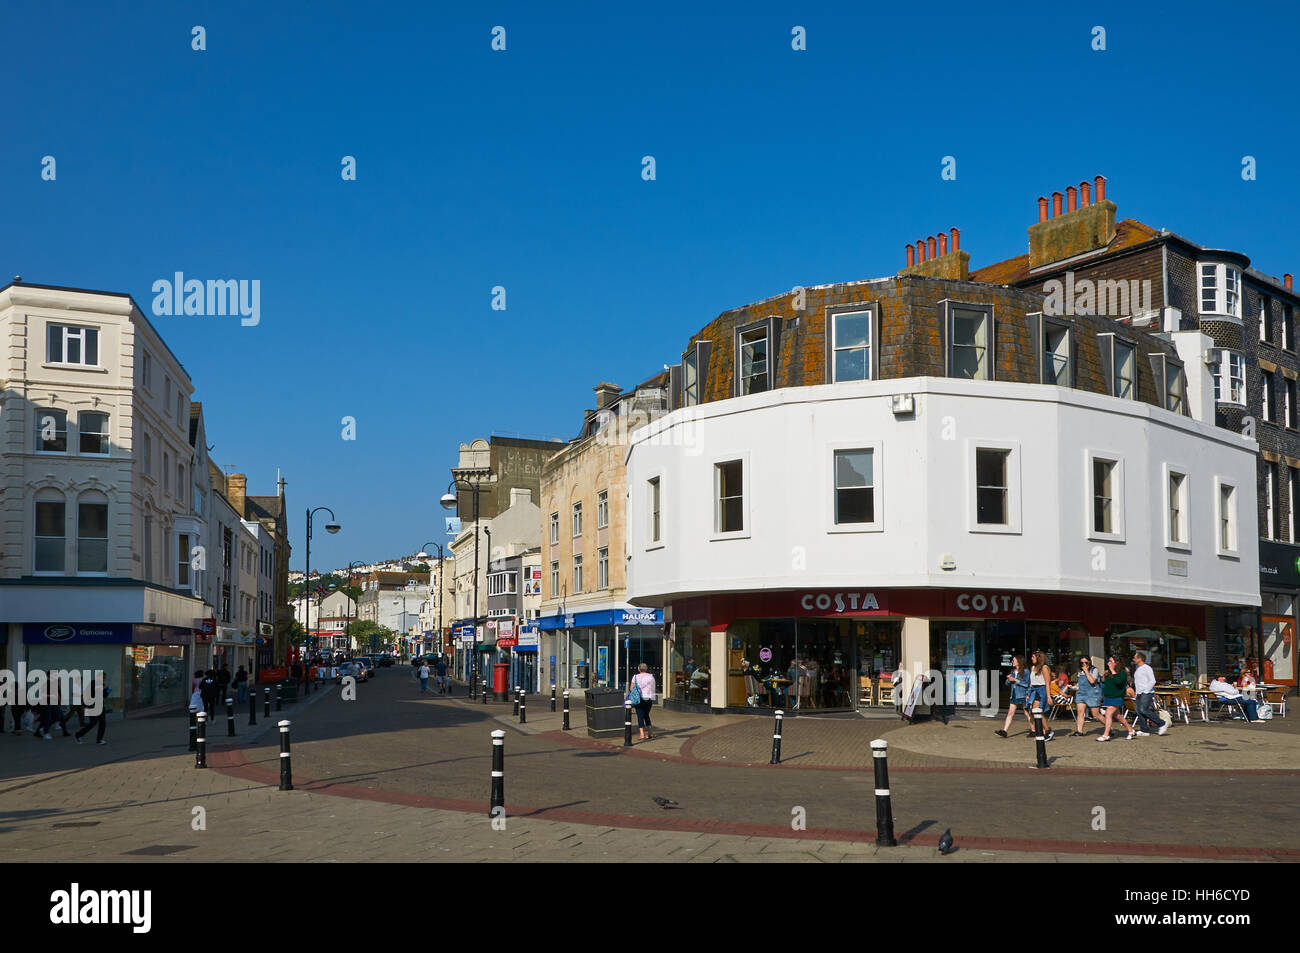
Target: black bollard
column 1040, row 741
column 627, row 724
column 252, row 707
column 884, row 804
column 566, row 710
column 473, row 685
column 523, row 714
column 194, row 729
column 776, row 739
column 516, row 711
column 498, row 796
column 277, row 695
column 201, row 758
column 485, row 691
column 230, row 717
column 266, row 702
column 286, row 770
column 552, row 698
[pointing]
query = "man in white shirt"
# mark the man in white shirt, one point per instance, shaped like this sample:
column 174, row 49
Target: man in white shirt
column 1144, row 686
column 1226, row 691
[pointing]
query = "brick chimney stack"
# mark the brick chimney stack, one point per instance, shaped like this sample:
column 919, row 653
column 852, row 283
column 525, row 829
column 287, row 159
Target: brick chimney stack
column 606, row 394
column 236, row 491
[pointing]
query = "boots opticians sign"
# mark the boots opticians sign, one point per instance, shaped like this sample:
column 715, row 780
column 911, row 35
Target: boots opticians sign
column 993, row 602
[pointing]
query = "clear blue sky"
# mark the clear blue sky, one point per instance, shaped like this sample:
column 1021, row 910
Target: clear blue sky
column 523, row 169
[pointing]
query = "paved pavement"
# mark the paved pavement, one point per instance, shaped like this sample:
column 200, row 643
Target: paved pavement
column 396, row 776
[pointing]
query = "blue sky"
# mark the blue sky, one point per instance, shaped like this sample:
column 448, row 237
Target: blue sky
column 522, row 169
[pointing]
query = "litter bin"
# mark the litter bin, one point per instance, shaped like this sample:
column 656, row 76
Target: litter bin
column 605, row 712
column 289, row 691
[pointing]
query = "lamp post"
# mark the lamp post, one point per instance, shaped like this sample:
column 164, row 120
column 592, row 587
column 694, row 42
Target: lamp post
column 424, row 554
column 352, row 565
column 449, row 501
column 331, row 527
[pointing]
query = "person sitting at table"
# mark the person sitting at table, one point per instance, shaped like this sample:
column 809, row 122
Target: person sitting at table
column 688, row 668
column 1247, row 681
column 1229, row 695
column 699, row 676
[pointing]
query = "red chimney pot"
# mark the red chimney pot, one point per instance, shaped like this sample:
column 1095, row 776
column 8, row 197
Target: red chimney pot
column 1085, row 195
column 943, row 244
column 931, row 243
column 1072, row 198
column 911, row 255
column 1042, row 208
column 920, row 251
column 1101, row 187
column 956, row 239
column 1056, row 203
column 1286, row 279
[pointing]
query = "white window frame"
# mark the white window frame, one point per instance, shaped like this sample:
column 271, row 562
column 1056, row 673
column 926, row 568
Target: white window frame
column 69, row 331
column 106, row 539
column 1227, row 301
column 63, row 556
column 602, row 568
column 1292, row 488
column 1265, row 312
column 1013, row 476
column 1168, row 471
column 575, row 518
column 876, row 447
column 602, row 509
column 37, row 430
column 1120, row 346
column 183, row 567
column 578, row 580
column 555, row 579
column 1118, row 496
column 1234, row 522
column 741, row 379
column 1272, row 490
column 555, row 528
column 691, row 382
column 746, row 494
column 503, row 583
column 1268, row 396
column 869, row 348
column 1288, row 402
column 105, row 434
column 986, row 371
column 1048, row 355
column 654, row 485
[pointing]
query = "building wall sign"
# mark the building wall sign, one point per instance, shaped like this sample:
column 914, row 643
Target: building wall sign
column 838, row 602
column 118, row 633
column 993, row 602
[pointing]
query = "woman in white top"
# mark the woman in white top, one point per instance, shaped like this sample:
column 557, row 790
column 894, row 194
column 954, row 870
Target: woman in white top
column 645, row 684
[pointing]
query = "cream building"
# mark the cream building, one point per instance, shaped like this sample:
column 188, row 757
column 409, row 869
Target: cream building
column 96, row 471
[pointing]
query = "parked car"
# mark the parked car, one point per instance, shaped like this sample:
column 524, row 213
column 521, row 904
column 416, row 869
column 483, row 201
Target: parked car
column 385, row 661
column 367, row 668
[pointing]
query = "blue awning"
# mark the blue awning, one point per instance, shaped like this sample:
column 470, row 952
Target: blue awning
column 603, row 617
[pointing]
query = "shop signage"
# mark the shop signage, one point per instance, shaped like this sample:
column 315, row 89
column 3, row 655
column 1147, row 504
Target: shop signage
column 993, row 602
column 118, row 633
column 506, row 634
column 231, row 636
column 568, row 622
column 639, row 617
column 853, row 601
column 529, row 637
column 765, row 655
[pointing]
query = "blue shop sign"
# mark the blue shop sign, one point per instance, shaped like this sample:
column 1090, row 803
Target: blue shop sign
column 112, row 633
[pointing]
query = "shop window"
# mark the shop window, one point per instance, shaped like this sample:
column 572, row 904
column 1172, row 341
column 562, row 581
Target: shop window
column 690, row 663
column 1227, row 520
column 51, row 430
column 729, row 509
column 92, row 537
column 50, row 536
column 1176, row 529
column 855, row 487
column 1169, row 650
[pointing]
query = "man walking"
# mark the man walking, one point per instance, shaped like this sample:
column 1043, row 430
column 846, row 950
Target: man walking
column 441, row 670
column 99, row 719
column 1144, row 687
column 208, row 692
column 424, row 677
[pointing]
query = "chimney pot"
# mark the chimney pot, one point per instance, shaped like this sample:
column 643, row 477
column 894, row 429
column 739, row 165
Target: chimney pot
column 1085, row 195
column 1056, row 203
column 1072, row 198
column 1100, row 182
column 1286, row 279
column 956, row 239
column 931, row 244
column 943, row 244
column 920, row 251
column 1042, row 208
column 911, row 255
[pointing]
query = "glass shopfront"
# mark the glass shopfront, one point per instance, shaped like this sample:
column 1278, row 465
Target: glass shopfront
column 963, row 648
column 807, row 663
column 1279, row 638
column 1169, row 649
column 692, row 666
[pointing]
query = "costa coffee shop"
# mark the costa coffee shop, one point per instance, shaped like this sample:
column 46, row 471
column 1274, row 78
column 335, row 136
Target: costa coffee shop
column 825, row 649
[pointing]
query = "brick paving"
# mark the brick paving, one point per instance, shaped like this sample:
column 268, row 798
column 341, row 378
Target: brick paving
column 396, row 776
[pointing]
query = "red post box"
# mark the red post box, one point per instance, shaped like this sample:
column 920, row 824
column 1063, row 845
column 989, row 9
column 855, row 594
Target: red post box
column 501, row 681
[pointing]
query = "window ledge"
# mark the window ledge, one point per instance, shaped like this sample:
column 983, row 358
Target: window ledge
column 719, row 537
column 56, row 366
column 1177, row 547
column 876, row 527
column 1216, row 316
column 996, row 529
column 1107, row 537
column 1232, row 554
column 653, row 547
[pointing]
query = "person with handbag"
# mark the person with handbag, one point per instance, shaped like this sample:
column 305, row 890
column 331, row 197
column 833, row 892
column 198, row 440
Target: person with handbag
column 641, row 693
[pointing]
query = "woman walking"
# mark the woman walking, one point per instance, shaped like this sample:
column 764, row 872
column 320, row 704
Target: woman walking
column 643, row 684
column 1113, row 688
column 1039, row 675
column 1019, row 682
column 1088, row 695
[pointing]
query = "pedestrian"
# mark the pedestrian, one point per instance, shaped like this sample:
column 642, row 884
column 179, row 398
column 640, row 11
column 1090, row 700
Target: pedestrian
column 441, row 670
column 1087, row 696
column 1040, row 673
column 196, row 700
column 642, row 694
column 1144, row 698
column 100, row 719
column 424, row 677
column 224, row 679
column 1114, row 687
column 241, row 684
column 1018, row 679
column 197, row 680
column 208, row 692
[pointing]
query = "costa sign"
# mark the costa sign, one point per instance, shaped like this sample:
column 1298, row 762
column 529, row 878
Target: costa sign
column 852, row 601
column 993, row 602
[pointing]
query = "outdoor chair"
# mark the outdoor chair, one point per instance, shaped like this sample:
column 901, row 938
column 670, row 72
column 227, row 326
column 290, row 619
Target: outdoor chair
column 1277, row 698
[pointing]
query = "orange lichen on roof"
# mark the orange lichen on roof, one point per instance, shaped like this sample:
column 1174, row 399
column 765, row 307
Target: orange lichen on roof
column 1128, row 233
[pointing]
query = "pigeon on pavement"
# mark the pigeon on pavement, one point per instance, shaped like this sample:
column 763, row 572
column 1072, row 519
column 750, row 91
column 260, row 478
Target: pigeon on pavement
column 945, row 842
column 663, row 802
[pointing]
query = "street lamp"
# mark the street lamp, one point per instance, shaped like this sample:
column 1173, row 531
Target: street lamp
column 449, row 501
column 331, row 527
column 424, row 554
column 351, row 566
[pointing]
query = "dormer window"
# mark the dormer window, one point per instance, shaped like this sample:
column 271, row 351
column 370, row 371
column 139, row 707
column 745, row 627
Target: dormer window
column 753, row 363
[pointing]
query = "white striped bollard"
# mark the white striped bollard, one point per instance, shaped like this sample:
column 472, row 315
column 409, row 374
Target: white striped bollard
column 252, row 707
column 230, row 717
column 627, row 724
column 523, row 714
column 485, row 691
column 286, row 770
column 776, row 739
column 266, row 702
column 194, row 729
column 201, row 758
column 516, row 711
column 552, row 698
column 497, row 798
column 277, row 696
column 884, row 802
column 566, row 710
column 1040, row 740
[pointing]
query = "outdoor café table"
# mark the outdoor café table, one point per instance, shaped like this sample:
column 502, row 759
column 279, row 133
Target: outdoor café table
column 776, row 684
column 1203, row 696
